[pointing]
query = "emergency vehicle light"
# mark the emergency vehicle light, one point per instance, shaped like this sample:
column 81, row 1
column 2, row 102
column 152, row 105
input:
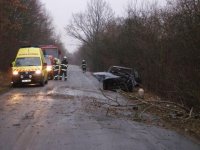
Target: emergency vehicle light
column 15, row 72
column 38, row 72
column 49, row 68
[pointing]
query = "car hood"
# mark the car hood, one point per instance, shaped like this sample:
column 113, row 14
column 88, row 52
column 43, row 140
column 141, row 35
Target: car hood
column 105, row 75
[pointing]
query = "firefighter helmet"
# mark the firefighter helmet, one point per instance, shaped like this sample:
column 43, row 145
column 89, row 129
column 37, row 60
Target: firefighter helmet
column 65, row 57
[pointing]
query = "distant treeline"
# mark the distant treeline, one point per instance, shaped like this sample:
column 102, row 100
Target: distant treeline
column 23, row 22
column 162, row 44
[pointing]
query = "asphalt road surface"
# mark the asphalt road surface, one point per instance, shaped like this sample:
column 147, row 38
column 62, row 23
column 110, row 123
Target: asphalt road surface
column 60, row 116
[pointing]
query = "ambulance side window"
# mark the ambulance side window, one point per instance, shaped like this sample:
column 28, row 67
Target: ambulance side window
column 17, row 63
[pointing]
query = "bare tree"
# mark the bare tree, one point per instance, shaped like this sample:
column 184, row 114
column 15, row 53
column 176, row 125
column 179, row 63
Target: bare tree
column 86, row 26
column 23, row 22
column 89, row 26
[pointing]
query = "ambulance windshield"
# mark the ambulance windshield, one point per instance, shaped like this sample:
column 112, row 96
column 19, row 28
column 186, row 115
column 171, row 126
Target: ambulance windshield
column 28, row 61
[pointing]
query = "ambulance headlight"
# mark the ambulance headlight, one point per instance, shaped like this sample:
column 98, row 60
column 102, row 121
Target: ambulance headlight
column 15, row 73
column 49, row 68
column 38, row 72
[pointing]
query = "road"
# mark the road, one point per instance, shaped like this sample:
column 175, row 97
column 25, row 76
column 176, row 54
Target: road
column 60, row 116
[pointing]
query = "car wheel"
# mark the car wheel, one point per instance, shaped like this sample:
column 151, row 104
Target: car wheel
column 123, row 86
column 130, row 88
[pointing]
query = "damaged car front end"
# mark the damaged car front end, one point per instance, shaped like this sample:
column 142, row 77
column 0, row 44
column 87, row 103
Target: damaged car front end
column 117, row 77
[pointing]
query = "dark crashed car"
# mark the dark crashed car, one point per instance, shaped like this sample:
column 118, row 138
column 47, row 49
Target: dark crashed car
column 118, row 77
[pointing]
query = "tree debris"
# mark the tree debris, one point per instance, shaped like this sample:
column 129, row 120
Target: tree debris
column 143, row 105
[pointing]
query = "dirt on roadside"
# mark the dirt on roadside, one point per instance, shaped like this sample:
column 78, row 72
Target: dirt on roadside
column 5, row 79
column 187, row 123
column 168, row 114
column 152, row 110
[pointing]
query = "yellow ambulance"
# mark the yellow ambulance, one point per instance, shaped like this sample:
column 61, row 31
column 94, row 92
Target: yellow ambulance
column 29, row 67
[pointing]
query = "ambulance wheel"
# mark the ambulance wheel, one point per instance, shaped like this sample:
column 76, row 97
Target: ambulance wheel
column 42, row 83
column 14, row 85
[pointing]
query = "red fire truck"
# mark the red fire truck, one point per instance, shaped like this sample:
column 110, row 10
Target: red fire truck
column 51, row 50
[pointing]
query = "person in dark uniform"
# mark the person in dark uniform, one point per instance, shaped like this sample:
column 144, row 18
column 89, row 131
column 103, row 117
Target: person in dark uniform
column 56, row 69
column 63, row 68
column 84, row 66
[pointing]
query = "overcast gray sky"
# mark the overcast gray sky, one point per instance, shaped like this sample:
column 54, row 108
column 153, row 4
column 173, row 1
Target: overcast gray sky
column 61, row 12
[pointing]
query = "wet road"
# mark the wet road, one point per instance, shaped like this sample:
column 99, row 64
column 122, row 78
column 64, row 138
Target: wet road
column 59, row 117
